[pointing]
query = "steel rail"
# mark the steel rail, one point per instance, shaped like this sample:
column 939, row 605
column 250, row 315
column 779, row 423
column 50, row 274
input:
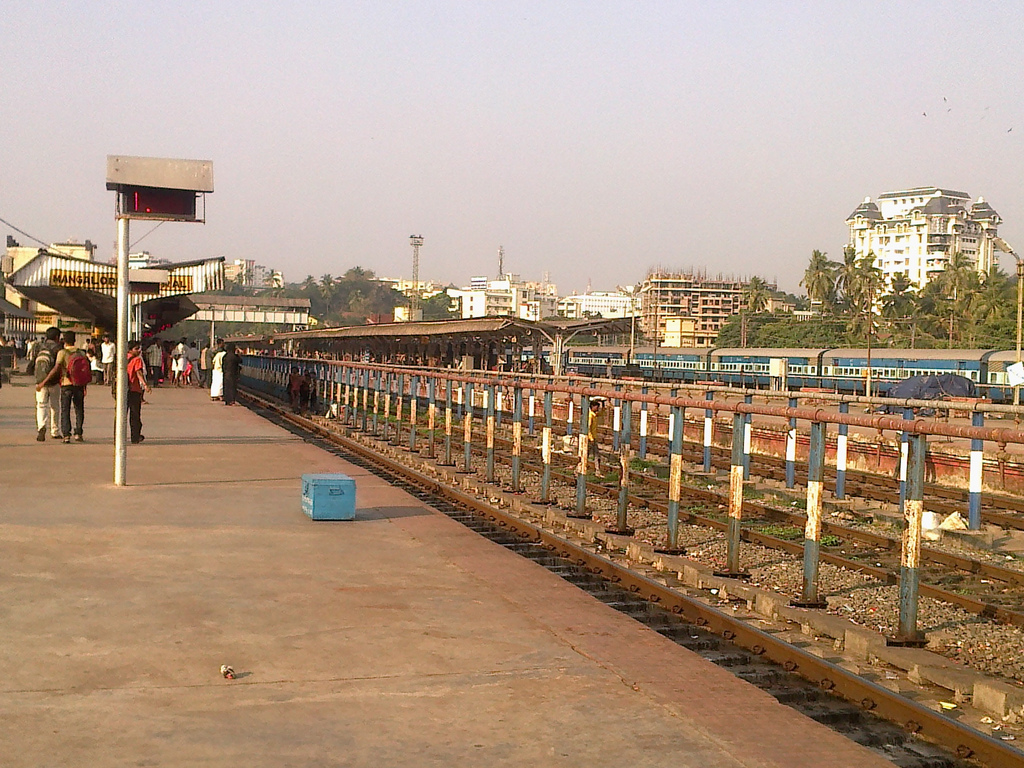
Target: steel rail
column 966, row 742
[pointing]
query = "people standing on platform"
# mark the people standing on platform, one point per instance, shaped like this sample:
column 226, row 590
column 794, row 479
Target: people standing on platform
column 48, row 396
column 205, row 360
column 137, row 388
column 217, row 377
column 108, row 356
column 179, row 361
column 154, row 361
column 71, row 368
column 232, row 367
column 94, row 365
column 192, row 367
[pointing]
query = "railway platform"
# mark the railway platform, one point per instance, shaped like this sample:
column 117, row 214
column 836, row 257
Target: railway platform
column 400, row 638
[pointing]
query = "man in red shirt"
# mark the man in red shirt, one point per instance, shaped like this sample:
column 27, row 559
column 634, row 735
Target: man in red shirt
column 137, row 387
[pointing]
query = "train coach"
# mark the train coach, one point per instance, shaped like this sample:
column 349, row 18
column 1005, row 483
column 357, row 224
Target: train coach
column 837, row 370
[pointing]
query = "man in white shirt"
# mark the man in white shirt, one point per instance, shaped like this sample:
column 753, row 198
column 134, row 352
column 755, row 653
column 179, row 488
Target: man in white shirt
column 108, row 352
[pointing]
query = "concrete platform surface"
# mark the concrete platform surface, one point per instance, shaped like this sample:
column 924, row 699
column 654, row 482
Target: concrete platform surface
column 400, row 638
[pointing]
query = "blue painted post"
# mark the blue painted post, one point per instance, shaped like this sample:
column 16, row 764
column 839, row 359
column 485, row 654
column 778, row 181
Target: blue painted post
column 908, row 414
column 812, row 530
column 732, row 566
column 616, row 421
column 625, row 456
column 366, row 399
column 414, row 392
column 709, row 431
column 517, row 437
column 545, row 449
column 376, row 402
column 747, row 434
column 675, row 480
column 448, row 422
column 399, row 408
column 841, row 440
column 976, row 476
column 490, row 405
column 348, row 387
column 569, row 417
column 581, row 466
column 532, row 401
column 910, row 562
column 791, row 448
column 643, row 426
column 673, row 417
column 388, row 386
column 499, row 404
column 431, row 414
column 467, row 429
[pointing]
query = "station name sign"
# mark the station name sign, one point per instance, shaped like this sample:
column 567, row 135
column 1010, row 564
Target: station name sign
column 99, row 281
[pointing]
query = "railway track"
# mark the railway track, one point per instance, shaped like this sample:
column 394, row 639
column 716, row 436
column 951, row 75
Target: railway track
column 1002, row 510
column 952, row 578
column 825, row 691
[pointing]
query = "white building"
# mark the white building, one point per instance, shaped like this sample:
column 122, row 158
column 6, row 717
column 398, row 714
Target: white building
column 607, row 304
column 916, row 231
column 509, row 297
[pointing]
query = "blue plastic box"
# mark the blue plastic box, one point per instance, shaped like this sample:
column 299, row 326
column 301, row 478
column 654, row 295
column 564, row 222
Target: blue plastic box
column 329, row 497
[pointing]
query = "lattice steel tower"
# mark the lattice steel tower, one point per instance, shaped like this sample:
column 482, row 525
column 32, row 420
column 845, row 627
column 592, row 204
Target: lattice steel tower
column 414, row 297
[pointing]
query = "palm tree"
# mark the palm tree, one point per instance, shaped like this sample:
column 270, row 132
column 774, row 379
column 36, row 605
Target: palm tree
column 846, row 278
column 957, row 280
column 755, row 298
column 898, row 305
column 820, row 279
column 757, row 295
column 328, row 290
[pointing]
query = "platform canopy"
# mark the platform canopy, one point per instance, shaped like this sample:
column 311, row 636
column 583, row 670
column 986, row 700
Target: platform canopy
column 87, row 289
column 443, row 342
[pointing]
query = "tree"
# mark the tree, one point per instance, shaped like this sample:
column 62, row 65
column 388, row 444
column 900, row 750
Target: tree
column 820, row 280
column 846, row 278
column 757, row 295
column 897, row 307
column 328, row 290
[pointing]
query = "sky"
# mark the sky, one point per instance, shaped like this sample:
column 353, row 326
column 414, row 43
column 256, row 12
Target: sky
column 591, row 140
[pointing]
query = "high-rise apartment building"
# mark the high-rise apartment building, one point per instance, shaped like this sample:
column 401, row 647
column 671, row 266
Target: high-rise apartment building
column 916, row 231
column 709, row 301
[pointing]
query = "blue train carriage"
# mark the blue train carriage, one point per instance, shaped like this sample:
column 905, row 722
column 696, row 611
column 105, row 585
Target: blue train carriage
column 669, row 363
column 994, row 383
column 766, row 368
column 845, row 370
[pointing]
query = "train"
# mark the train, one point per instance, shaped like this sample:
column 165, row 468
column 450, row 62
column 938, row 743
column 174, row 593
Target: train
column 834, row 370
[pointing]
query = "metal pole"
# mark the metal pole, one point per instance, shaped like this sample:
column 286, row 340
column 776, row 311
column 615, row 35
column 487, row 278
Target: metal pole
column 121, row 388
column 581, row 466
column 908, row 413
column 431, row 414
column 448, row 423
column 545, row 449
column 643, row 426
column 414, row 392
column 976, row 476
column 490, row 408
column 625, row 457
column 709, row 430
column 467, row 434
column 366, row 398
column 517, row 437
column 747, row 435
column 732, row 567
column 791, row 448
column 616, row 421
column 812, row 530
column 675, row 481
column 841, row 441
column 908, row 633
column 376, row 403
column 387, row 404
column 532, row 401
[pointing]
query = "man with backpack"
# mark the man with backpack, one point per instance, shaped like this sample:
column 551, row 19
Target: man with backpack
column 47, row 397
column 73, row 370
